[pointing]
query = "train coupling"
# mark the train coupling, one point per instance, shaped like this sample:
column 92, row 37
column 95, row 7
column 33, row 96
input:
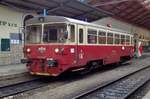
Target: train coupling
column 52, row 63
column 24, row 61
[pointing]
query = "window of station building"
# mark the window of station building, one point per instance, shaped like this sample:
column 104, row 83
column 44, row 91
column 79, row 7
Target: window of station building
column 127, row 40
column 117, row 39
column 5, row 44
column 110, row 38
column 16, row 38
column 92, row 36
column 72, row 33
column 102, row 37
column 80, row 35
column 123, row 39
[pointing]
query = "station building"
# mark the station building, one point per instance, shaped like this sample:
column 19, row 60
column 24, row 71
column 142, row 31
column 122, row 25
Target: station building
column 12, row 39
column 11, row 36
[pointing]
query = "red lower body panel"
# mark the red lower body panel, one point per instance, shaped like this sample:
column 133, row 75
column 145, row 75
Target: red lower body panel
column 72, row 56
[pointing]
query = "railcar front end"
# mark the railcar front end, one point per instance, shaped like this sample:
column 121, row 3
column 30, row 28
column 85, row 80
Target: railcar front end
column 46, row 50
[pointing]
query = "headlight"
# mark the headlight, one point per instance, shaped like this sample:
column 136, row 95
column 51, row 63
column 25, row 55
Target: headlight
column 123, row 48
column 28, row 50
column 56, row 50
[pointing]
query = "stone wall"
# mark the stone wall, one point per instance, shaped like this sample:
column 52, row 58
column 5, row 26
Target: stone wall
column 10, row 22
column 13, row 56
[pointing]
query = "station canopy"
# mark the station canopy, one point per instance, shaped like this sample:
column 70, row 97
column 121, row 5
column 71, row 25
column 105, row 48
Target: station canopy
column 133, row 11
column 69, row 8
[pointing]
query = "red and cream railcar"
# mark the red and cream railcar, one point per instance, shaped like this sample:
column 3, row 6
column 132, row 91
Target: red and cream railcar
column 55, row 44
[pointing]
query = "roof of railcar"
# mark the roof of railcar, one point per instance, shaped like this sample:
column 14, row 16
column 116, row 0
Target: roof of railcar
column 61, row 19
column 55, row 19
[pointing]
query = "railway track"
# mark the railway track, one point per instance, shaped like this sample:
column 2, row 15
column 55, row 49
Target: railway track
column 17, row 85
column 29, row 86
column 119, row 89
column 21, row 87
column 14, row 88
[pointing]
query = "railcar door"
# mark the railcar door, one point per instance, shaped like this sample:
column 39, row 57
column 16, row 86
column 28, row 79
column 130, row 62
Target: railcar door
column 72, row 45
column 81, row 45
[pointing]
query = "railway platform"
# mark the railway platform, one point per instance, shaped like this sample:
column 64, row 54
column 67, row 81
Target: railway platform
column 12, row 70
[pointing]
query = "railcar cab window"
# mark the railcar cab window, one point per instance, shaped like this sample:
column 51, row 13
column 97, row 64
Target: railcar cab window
column 55, row 33
column 33, row 34
column 92, row 36
column 110, row 38
column 102, row 37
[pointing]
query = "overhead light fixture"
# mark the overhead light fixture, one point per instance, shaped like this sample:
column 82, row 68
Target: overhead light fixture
column 41, row 19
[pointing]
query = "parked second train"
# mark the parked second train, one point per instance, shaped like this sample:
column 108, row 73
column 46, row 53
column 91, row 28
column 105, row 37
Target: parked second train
column 55, row 44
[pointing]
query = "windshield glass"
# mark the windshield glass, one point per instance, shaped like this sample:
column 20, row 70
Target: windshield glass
column 54, row 33
column 33, row 34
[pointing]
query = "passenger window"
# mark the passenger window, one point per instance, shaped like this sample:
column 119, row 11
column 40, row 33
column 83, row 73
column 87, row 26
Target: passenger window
column 92, row 36
column 110, row 38
column 72, row 33
column 132, row 40
column 127, row 40
column 117, row 39
column 102, row 37
column 123, row 39
column 80, row 35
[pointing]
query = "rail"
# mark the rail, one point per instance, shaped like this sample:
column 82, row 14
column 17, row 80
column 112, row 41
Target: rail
column 120, row 88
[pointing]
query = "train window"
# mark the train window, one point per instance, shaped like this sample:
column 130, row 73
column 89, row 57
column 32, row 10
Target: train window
column 80, row 35
column 122, row 39
column 72, row 33
column 132, row 40
column 117, row 39
column 110, row 38
column 33, row 34
column 54, row 33
column 102, row 37
column 127, row 40
column 92, row 36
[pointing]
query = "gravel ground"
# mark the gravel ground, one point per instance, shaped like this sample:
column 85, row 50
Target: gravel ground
column 84, row 83
column 141, row 92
